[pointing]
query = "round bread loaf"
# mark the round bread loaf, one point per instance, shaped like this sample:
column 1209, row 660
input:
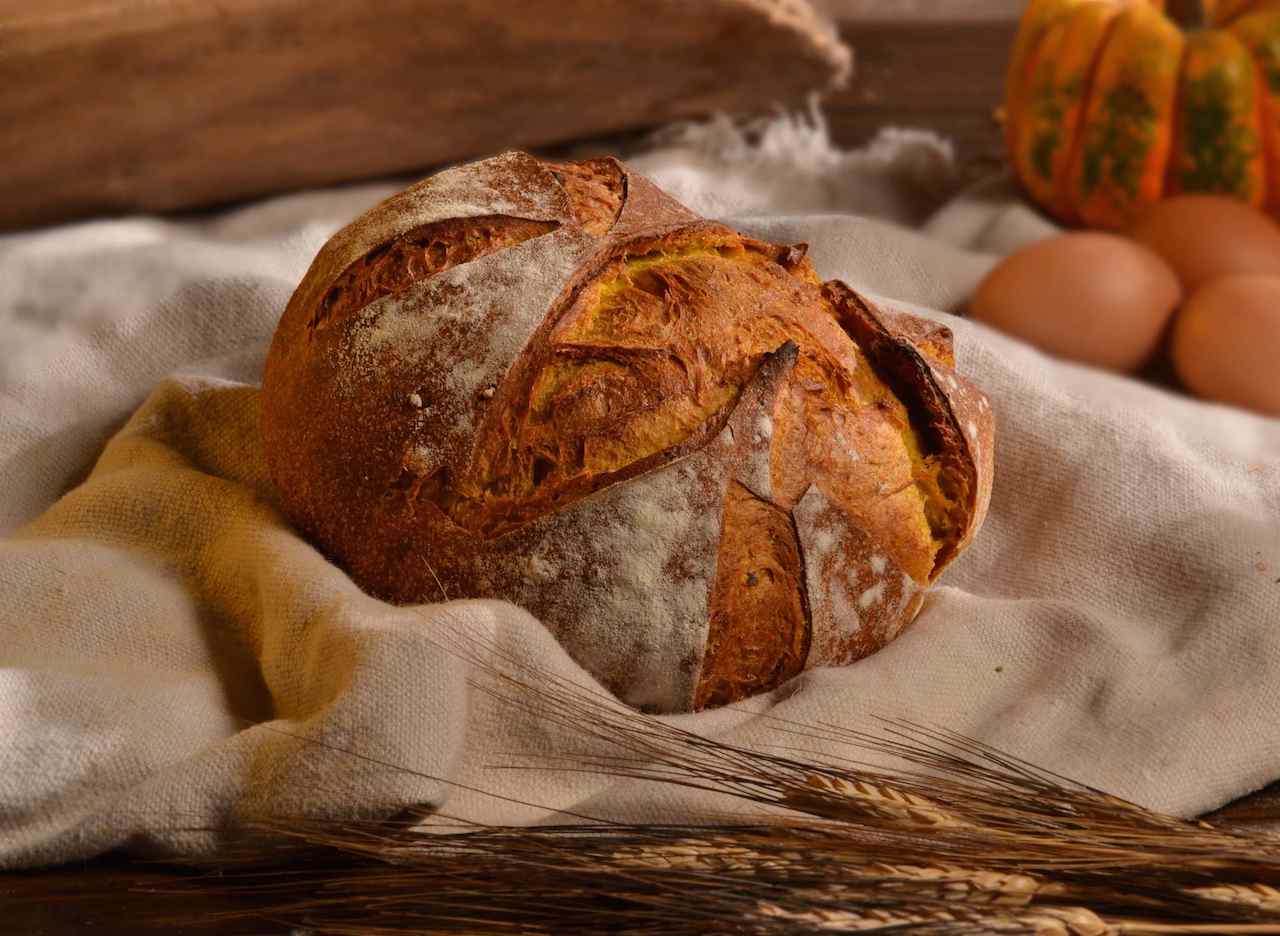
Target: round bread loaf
column 701, row 467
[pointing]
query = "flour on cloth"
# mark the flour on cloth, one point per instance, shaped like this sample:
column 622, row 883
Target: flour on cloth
column 170, row 650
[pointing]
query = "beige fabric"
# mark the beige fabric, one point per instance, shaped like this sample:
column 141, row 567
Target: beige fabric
column 164, row 637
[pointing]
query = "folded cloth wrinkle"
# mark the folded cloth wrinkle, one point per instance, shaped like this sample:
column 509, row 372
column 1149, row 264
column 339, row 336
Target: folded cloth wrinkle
column 176, row 661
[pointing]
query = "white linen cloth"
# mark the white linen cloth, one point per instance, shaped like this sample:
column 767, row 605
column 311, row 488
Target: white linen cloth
column 164, row 635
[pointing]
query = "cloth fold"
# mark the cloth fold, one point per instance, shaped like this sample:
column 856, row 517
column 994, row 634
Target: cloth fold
column 175, row 660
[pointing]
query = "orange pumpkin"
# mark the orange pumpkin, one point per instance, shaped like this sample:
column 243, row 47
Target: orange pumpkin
column 1111, row 105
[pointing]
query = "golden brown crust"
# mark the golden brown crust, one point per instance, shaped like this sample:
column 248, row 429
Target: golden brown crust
column 512, row 185
column 416, row 255
column 596, row 189
column 947, row 472
column 701, row 467
column 759, row 626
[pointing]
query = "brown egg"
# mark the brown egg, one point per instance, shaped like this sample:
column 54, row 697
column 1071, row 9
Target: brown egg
column 1091, row 297
column 1204, row 237
column 1226, row 342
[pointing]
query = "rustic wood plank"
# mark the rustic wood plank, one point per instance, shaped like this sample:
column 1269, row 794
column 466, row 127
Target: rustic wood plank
column 114, row 896
column 920, row 11
column 1257, row 812
column 947, row 77
column 128, row 105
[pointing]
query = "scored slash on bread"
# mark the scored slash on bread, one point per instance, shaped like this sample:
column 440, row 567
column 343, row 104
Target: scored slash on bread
column 700, row 466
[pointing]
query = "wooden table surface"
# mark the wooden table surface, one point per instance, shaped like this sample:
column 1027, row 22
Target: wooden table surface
column 942, row 76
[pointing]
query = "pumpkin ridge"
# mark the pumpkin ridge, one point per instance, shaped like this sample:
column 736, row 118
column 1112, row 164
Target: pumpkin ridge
column 1179, row 92
column 1036, row 23
column 1062, row 183
column 1046, row 102
column 1216, row 131
column 1259, row 31
column 1034, row 96
column 1125, row 151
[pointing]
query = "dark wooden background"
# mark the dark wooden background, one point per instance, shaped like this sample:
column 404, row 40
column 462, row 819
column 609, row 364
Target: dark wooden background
column 942, row 76
column 947, row 77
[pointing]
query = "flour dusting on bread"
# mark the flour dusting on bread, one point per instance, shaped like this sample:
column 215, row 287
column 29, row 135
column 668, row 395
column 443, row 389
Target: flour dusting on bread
column 449, row 339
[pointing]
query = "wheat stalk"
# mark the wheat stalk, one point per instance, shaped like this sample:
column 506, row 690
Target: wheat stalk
column 845, row 798
column 963, row 839
column 1250, row 895
column 1045, row 921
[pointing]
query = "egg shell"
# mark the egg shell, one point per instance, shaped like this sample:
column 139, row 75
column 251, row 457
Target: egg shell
column 1226, row 342
column 1204, row 237
column 1091, row 297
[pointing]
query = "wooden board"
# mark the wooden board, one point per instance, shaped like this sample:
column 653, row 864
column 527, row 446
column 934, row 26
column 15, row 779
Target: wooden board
column 114, row 106
column 917, row 11
column 947, row 77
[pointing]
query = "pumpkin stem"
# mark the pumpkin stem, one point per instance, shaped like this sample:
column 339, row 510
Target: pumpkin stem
column 1190, row 14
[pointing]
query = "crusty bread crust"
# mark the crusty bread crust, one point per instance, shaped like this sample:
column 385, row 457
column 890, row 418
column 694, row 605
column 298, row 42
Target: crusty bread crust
column 704, row 469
